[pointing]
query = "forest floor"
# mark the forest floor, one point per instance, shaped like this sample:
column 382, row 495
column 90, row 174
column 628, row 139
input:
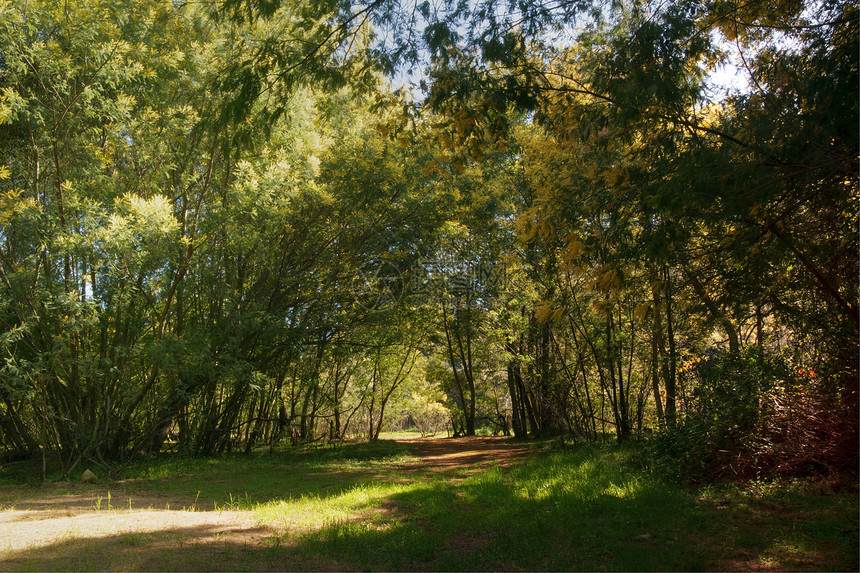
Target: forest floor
column 434, row 504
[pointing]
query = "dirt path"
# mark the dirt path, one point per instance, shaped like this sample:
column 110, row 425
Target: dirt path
column 471, row 453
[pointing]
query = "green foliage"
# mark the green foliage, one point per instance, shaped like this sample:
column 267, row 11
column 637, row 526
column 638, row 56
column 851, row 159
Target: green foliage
column 725, row 407
column 428, row 414
column 756, row 417
column 730, row 387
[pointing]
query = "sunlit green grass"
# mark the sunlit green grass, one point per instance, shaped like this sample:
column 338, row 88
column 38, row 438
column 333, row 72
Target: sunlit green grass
column 313, row 511
column 244, row 481
column 559, row 511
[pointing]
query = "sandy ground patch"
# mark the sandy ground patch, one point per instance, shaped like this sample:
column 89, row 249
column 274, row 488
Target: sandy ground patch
column 30, row 530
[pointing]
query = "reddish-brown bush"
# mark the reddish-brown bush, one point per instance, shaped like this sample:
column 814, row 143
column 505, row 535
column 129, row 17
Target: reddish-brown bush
column 806, row 428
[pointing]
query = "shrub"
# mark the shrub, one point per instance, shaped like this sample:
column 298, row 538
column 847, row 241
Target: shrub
column 720, row 417
column 807, row 427
column 754, row 417
column 428, row 416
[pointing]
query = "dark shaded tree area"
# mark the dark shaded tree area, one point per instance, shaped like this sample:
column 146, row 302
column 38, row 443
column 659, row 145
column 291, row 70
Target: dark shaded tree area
column 222, row 227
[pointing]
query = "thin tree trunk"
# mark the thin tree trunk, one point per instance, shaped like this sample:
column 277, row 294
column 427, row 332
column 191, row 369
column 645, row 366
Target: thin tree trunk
column 671, row 393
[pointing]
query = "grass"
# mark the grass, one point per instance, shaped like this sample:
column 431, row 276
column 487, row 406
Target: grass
column 373, row 506
column 565, row 511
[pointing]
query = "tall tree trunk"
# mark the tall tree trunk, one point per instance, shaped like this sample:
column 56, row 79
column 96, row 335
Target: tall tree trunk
column 452, row 356
column 517, row 421
column 671, row 367
column 655, row 366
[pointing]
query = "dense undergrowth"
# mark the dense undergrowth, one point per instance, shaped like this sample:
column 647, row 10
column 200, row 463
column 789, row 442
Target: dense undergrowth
column 753, row 416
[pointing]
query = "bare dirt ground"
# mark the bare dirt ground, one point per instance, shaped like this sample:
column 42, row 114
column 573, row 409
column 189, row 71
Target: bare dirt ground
column 141, row 530
column 476, row 453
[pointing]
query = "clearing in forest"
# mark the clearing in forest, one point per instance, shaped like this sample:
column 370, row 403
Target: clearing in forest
column 437, row 504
